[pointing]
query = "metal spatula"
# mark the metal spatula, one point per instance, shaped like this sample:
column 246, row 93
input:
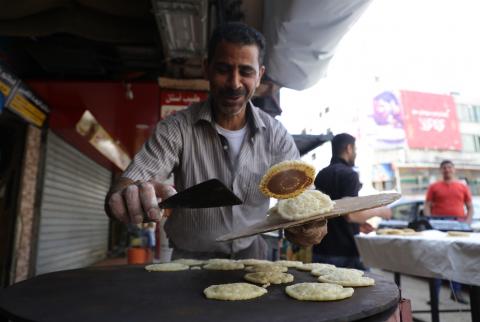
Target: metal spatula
column 208, row 194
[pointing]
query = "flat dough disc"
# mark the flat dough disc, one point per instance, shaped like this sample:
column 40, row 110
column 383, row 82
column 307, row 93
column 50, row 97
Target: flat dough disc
column 223, row 266
column 267, row 268
column 322, row 269
column 311, row 266
column 189, row 262
column 269, row 277
column 166, row 267
column 288, row 263
column 318, row 292
column 287, row 179
column 253, row 261
column 234, row 291
column 389, row 231
column 458, row 234
column 346, row 278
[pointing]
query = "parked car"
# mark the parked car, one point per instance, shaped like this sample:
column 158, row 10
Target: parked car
column 476, row 215
column 408, row 212
column 404, row 211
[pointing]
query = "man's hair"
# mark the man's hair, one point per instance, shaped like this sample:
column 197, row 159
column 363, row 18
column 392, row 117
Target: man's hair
column 445, row 162
column 340, row 142
column 236, row 33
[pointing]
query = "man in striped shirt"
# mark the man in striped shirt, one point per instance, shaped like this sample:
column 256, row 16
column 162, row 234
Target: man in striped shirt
column 225, row 137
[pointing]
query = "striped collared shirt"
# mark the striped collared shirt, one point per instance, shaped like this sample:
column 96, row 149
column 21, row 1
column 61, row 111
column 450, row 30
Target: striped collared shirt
column 188, row 145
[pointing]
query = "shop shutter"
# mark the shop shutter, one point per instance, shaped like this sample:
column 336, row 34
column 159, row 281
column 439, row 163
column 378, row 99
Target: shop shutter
column 73, row 230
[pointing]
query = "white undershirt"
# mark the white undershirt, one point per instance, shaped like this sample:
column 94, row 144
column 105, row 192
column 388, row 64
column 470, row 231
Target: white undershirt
column 235, row 140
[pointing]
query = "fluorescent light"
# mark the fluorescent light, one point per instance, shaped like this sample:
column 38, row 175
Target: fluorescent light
column 182, row 26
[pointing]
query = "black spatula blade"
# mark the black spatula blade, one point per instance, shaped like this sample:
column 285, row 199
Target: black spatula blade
column 208, row 194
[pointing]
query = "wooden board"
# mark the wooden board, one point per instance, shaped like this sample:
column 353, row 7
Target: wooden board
column 342, row 207
column 130, row 293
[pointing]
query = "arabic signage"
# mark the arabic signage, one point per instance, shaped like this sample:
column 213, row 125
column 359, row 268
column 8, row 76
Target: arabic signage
column 172, row 101
column 431, row 121
column 21, row 100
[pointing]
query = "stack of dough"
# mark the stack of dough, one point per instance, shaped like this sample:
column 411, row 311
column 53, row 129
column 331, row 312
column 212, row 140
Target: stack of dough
column 309, row 203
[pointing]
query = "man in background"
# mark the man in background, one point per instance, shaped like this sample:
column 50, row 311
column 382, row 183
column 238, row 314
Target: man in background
column 449, row 198
column 339, row 180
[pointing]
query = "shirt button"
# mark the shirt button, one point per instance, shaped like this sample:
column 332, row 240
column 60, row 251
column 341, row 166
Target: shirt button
column 225, row 147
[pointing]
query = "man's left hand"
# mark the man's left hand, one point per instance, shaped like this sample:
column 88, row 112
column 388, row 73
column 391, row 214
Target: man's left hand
column 308, row 234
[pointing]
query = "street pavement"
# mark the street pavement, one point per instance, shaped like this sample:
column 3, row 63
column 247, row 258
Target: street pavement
column 416, row 290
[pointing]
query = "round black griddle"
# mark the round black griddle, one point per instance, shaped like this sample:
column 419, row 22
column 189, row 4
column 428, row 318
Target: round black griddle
column 129, row 293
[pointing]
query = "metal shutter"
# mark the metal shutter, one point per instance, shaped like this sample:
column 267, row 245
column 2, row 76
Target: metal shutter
column 73, row 228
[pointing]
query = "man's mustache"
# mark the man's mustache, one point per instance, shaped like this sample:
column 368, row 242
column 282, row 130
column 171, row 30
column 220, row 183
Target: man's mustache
column 233, row 92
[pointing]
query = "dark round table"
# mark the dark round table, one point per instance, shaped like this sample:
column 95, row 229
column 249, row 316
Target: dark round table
column 129, row 293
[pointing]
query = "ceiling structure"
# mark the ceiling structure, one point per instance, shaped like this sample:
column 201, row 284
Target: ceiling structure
column 144, row 39
column 88, row 54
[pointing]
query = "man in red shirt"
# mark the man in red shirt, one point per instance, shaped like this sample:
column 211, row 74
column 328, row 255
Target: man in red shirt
column 448, row 198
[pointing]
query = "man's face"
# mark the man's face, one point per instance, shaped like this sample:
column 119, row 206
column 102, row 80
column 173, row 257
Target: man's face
column 448, row 171
column 234, row 74
column 352, row 154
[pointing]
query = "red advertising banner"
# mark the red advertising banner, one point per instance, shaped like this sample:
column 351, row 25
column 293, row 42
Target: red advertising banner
column 172, row 101
column 431, row 121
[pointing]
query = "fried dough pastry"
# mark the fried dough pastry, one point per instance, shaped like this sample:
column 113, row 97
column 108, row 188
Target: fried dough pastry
column 287, row 179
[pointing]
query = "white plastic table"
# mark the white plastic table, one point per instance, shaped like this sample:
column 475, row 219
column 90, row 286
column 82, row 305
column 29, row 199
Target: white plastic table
column 431, row 254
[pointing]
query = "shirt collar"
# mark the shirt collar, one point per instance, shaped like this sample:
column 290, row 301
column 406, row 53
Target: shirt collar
column 205, row 113
column 336, row 159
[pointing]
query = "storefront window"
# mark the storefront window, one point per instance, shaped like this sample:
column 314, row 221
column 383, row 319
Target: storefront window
column 476, row 112
column 468, row 143
column 468, row 113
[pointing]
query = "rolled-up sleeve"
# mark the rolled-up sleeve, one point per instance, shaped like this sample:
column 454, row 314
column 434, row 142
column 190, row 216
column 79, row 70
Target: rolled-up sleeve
column 160, row 154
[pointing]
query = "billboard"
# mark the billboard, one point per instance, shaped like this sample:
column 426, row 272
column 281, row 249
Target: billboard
column 430, row 121
column 383, row 124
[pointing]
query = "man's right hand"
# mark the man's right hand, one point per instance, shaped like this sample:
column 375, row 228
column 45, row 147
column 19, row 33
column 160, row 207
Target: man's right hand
column 131, row 202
